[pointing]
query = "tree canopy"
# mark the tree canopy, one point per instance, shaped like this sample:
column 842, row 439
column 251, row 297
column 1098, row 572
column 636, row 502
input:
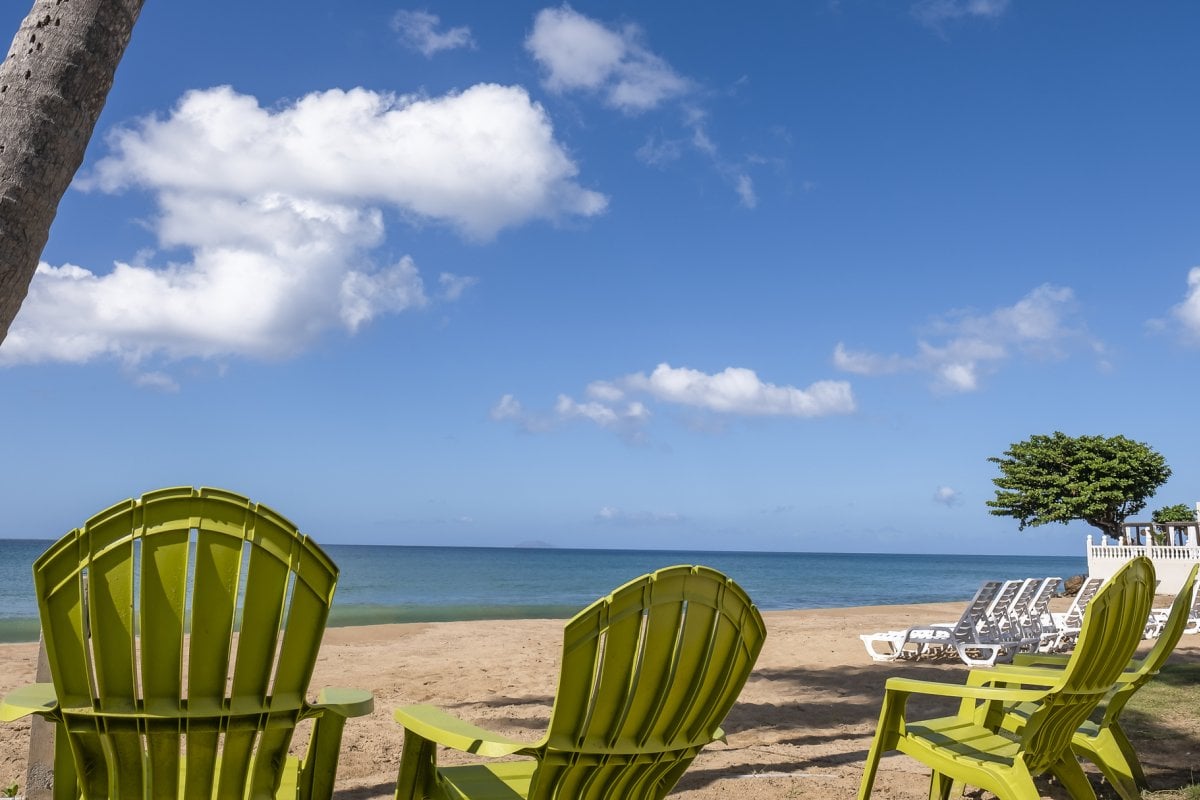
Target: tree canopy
column 1180, row 512
column 1100, row 480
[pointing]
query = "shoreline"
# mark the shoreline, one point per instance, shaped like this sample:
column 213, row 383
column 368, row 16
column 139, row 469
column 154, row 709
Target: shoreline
column 800, row 729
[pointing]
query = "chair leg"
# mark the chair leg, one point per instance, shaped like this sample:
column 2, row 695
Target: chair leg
column 1071, row 775
column 418, row 769
column 940, row 785
column 1114, row 755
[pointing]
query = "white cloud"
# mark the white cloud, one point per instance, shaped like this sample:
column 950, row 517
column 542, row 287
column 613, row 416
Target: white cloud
column 418, row 31
column 453, row 285
column 577, row 52
column 735, row 391
column 1188, row 312
column 738, row 390
column 279, row 211
column 615, row 516
column 1041, row 324
column 934, row 12
column 947, row 496
column 480, row 160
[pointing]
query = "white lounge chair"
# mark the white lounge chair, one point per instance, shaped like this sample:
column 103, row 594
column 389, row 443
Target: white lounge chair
column 1158, row 616
column 1067, row 625
column 1037, row 620
column 937, row 638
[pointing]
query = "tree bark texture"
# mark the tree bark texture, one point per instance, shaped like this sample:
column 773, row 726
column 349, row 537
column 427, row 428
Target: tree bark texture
column 53, row 85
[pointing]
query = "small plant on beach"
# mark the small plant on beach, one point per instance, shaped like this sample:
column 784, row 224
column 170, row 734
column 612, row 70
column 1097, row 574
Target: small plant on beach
column 1100, row 480
column 11, row 791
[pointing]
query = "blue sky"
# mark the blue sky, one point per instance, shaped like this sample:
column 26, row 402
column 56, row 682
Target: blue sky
column 670, row 275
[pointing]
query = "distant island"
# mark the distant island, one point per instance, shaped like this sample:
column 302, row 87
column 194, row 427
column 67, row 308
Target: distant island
column 534, row 543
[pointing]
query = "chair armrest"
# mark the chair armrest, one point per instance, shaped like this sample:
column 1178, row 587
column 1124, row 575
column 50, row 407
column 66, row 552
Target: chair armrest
column 1003, row 694
column 1012, row 673
column 1041, row 659
column 435, row 725
column 36, row 698
column 344, row 702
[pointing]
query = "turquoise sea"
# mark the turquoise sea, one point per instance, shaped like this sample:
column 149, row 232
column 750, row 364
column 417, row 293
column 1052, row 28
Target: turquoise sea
column 423, row 584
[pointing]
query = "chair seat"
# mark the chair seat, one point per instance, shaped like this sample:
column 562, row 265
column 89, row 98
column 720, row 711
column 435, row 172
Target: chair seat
column 504, row 780
column 962, row 741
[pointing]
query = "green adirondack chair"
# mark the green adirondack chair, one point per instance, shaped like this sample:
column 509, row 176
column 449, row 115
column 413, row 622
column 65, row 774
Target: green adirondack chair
column 154, row 694
column 1104, row 743
column 971, row 747
column 648, row 674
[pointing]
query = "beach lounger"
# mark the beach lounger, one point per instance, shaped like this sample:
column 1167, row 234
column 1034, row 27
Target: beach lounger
column 975, row 637
column 1017, row 623
column 1105, row 742
column 1068, row 624
column 153, row 693
column 1159, row 616
column 1036, row 621
column 936, row 638
column 969, row 747
column 648, row 674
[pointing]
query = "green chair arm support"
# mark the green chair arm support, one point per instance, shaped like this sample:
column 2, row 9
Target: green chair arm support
column 36, row 698
column 1011, row 674
column 1041, row 659
column 435, row 725
column 331, row 710
column 908, row 686
column 344, row 702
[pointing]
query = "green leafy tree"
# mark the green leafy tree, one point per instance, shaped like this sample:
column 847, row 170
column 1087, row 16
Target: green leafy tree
column 1100, row 480
column 1180, row 512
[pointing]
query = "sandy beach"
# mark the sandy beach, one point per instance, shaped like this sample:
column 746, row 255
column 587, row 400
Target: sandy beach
column 800, row 729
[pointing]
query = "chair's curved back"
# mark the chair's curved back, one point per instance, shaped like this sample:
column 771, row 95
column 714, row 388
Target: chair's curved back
column 1149, row 666
column 648, row 674
column 139, row 608
column 1112, row 628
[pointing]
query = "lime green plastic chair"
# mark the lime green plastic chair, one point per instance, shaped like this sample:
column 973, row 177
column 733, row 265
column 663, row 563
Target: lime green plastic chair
column 648, row 674
column 972, row 748
column 1104, row 743
column 154, row 694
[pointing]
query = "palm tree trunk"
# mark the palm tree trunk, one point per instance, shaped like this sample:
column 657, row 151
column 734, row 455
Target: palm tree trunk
column 53, row 85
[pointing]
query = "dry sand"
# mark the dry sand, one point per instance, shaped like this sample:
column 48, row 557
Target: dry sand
column 801, row 728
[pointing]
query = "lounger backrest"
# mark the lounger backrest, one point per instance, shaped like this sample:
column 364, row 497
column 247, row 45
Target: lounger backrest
column 1087, row 591
column 648, row 675
column 1018, row 612
column 967, row 627
column 139, row 608
column 999, row 607
column 1112, row 628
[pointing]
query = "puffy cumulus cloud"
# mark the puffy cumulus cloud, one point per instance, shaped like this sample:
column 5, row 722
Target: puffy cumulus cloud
column 616, row 404
column 936, row 12
column 580, row 54
column 947, row 496
column 1188, row 312
column 966, row 346
column 577, row 52
column 418, row 30
column 481, row 160
column 737, row 390
column 280, row 212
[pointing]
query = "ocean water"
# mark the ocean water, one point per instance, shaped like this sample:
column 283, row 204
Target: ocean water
column 381, row 584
